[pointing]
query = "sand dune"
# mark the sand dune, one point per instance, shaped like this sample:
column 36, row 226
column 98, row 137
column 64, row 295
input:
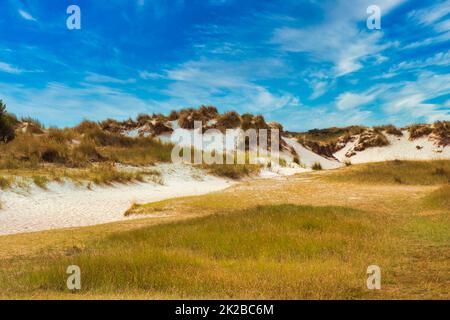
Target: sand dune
column 67, row 205
column 400, row 148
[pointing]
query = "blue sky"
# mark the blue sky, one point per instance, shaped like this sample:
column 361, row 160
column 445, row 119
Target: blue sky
column 305, row 63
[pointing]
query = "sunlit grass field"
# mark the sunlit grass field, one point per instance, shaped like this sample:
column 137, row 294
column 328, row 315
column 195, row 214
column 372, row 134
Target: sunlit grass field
column 311, row 236
column 398, row 172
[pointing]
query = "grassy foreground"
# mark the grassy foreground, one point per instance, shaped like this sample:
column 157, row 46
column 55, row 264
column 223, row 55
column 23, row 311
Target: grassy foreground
column 311, row 236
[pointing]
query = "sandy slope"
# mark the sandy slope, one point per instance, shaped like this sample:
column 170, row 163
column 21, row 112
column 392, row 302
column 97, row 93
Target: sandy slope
column 69, row 206
column 308, row 158
column 400, row 148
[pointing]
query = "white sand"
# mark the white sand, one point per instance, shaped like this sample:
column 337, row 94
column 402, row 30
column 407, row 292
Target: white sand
column 400, row 148
column 70, row 206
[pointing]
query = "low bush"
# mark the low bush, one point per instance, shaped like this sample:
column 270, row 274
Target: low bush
column 228, row 120
column 441, row 129
column 389, row 129
column 419, row 130
column 371, row 139
column 7, row 123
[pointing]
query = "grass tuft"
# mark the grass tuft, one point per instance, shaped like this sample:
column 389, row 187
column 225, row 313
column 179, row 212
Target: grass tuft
column 316, row 166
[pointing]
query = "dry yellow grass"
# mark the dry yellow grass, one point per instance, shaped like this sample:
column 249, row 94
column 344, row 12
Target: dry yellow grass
column 306, row 236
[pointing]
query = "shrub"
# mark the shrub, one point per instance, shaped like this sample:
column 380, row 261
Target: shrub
column 371, row 139
column 260, row 122
column 86, row 151
column 441, row 129
column 389, row 129
column 6, row 124
column 247, row 121
column 173, row 115
column 103, row 138
column 86, row 125
column 276, row 125
column 35, row 122
column 61, row 135
column 110, row 125
column 328, row 141
column 160, row 127
column 143, row 119
column 186, row 119
column 53, row 152
column 208, row 112
column 229, row 120
column 419, row 130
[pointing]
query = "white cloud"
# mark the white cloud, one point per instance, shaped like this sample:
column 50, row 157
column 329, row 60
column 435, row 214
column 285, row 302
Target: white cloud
column 429, row 41
column 226, row 84
column 100, row 78
column 412, row 97
column 26, row 15
column 6, row 67
column 434, row 17
column 439, row 59
column 68, row 105
column 150, row 75
column 337, row 39
column 348, row 100
column 429, row 15
column 318, row 87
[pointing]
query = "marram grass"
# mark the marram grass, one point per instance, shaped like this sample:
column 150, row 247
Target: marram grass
column 283, row 251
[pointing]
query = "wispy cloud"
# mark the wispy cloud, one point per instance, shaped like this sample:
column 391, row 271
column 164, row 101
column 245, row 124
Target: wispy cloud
column 412, row 98
column 6, row 67
column 26, row 15
column 338, row 38
column 432, row 14
column 100, row 78
column 223, row 83
column 146, row 75
column 350, row 100
column 436, row 18
column 67, row 105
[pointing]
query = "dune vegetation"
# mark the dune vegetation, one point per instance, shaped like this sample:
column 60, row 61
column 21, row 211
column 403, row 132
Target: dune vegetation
column 288, row 239
column 330, row 140
column 97, row 151
column 431, row 172
column 31, row 153
column 91, row 156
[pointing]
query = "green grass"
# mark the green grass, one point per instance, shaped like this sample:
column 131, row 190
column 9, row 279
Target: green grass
column 397, row 172
column 283, row 251
column 439, row 198
column 435, row 229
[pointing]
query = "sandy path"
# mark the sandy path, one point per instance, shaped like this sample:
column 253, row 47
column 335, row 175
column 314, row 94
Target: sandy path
column 66, row 205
